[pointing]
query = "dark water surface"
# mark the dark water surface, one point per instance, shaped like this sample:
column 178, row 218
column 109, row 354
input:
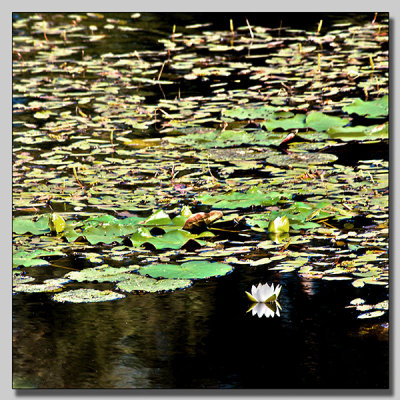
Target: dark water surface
column 202, row 337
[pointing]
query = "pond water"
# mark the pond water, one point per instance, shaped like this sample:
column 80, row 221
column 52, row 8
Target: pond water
column 107, row 114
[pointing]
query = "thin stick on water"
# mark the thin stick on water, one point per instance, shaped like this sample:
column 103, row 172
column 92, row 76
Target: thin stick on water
column 112, row 139
column 319, row 27
column 371, row 62
column 161, row 70
column 173, row 32
column 77, row 179
column 44, row 31
column 248, row 25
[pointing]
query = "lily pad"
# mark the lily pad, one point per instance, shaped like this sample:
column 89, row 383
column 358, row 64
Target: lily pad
column 235, row 154
column 36, row 288
column 174, row 239
column 22, row 225
column 359, row 132
column 146, row 284
column 86, row 296
column 297, row 122
column 301, row 159
column 235, row 199
column 374, row 108
column 19, row 278
column 372, row 314
column 202, row 220
column 254, row 112
column 321, row 122
column 102, row 273
column 32, row 259
column 187, row 270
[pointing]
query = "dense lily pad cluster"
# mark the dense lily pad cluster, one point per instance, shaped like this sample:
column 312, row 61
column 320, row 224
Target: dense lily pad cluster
column 115, row 150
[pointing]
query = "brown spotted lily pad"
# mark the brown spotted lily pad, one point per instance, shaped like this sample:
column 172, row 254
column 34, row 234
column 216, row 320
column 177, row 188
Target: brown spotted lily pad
column 202, row 220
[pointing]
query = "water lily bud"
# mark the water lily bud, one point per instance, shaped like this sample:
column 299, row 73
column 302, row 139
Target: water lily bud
column 56, row 223
column 279, row 225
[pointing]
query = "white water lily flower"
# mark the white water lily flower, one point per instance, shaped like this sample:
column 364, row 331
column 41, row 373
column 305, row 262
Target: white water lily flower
column 266, row 309
column 264, row 293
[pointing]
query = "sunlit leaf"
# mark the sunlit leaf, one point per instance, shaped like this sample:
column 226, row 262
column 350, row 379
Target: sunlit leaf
column 143, row 283
column 57, row 223
column 103, row 273
column 372, row 314
column 187, row 270
column 86, row 296
column 373, row 108
column 322, row 122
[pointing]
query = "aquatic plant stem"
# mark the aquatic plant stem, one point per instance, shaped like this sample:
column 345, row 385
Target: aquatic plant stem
column 112, row 139
column 161, row 70
column 319, row 27
column 251, row 32
column 44, row 31
column 76, row 177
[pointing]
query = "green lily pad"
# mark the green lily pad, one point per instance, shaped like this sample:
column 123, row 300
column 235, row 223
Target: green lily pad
column 38, row 288
column 22, row 225
column 86, row 296
column 174, row 239
column 32, row 259
column 103, row 234
column 297, row 122
column 301, row 159
column 235, row 154
column 321, row 122
column 180, row 220
column 374, row 108
column 109, row 219
column 359, row 132
column 143, row 283
column 187, row 270
column 234, row 199
column 254, row 112
column 108, row 229
column 102, row 273
column 158, row 218
column 228, row 138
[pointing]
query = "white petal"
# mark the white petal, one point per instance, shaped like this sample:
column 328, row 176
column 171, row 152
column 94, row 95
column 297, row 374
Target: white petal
column 268, row 312
column 260, row 293
column 278, row 290
column 267, row 292
column 258, row 309
column 277, row 312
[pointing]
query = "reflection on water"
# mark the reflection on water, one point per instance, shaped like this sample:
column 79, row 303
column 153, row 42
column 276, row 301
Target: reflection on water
column 265, row 309
column 198, row 337
column 308, row 286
